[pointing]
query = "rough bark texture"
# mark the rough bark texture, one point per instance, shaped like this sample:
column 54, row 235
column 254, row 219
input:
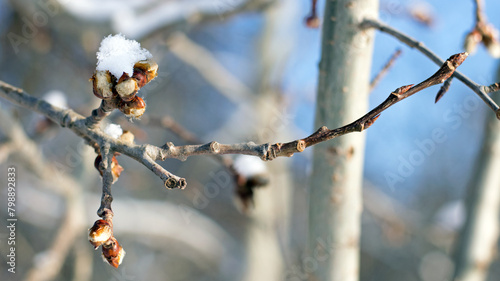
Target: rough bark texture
column 335, row 198
column 476, row 247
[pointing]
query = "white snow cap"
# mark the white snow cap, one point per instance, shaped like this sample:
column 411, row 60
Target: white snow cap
column 118, row 54
column 249, row 165
column 56, row 98
column 115, row 131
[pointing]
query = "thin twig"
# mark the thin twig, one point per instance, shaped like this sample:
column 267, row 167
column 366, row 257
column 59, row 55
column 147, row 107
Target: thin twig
column 433, row 57
column 480, row 17
column 385, row 69
column 107, row 181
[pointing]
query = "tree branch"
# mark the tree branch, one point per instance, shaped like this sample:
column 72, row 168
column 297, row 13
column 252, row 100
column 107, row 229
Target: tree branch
column 478, row 89
column 147, row 154
column 385, row 69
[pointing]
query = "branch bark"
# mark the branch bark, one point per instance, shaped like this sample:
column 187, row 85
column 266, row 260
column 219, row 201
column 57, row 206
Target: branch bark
column 335, row 195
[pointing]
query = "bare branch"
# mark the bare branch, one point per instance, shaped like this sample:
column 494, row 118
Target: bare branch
column 385, row 69
column 433, row 57
column 147, row 154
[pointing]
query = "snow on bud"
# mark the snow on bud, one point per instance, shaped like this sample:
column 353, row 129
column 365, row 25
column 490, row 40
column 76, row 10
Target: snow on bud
column 118, row 55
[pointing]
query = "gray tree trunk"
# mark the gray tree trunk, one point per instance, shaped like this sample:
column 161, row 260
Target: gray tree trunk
column 335, row 197
column 477, row 244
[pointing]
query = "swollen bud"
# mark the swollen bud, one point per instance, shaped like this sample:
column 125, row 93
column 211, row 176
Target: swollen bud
column 126, row 87
column 99, row 233
column 112, row 252
column 102, row 84
column 134, row 108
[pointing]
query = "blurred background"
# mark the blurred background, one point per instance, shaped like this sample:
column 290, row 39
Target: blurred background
column 233, row 71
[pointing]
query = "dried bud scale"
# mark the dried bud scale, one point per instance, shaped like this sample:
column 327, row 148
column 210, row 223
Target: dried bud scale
column 102, row 84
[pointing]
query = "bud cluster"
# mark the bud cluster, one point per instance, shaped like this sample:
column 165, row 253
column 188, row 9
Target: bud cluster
column 483, row 33
column 101, row 234
column 124, row 89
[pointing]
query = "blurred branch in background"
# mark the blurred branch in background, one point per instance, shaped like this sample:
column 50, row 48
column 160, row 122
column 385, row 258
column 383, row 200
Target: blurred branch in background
column 49, row 263
column 483, row 32
column 380, row 75
column 477, row 245
column 157, row 16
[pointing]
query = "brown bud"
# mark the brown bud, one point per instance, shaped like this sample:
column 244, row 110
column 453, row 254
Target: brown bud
column 116, row 169
column 313, row 21
column 112, row 252
column 102, row 84
column 126, row 87
column 99, row 233
column 145, row 71
column 134, row 108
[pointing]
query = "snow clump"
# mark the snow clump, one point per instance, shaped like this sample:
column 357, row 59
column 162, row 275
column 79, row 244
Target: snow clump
column 118, row 55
